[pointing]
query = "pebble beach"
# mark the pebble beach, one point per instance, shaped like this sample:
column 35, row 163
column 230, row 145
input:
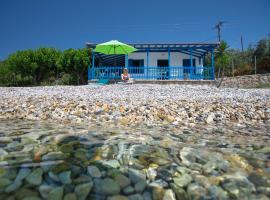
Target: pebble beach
column 134, row 142
column 136, row 104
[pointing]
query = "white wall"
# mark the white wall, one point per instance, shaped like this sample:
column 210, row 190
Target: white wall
column 176, row 58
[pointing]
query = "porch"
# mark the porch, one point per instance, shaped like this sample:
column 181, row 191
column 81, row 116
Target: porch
column 173, row 62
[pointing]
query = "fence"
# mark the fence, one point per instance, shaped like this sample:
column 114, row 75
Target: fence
column 154, row 72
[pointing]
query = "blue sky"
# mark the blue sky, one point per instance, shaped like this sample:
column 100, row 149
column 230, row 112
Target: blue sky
column 70, row 23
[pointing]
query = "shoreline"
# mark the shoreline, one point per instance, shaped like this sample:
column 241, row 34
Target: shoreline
column 136, row 104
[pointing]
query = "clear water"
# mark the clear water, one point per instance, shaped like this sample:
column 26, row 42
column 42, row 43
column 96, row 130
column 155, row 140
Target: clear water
column 47, row 160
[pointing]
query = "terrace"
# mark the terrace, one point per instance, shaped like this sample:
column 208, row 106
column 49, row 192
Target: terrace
column 181, row 61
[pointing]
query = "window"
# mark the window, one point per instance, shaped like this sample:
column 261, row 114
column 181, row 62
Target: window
column 136, row 66
column 186, row 65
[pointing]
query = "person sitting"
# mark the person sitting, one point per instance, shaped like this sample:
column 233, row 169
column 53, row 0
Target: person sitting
column 125, row 77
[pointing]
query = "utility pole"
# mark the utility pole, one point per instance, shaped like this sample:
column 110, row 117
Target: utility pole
column 218, row 28
column 242, row 46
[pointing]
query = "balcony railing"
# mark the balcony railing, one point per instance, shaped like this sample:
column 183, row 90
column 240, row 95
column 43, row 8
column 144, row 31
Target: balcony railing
column 153, row 72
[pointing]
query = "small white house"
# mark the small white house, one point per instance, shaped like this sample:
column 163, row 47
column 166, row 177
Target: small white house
column 156, row 62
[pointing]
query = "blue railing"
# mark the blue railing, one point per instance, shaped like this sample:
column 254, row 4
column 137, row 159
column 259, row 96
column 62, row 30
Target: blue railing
column 153, row 72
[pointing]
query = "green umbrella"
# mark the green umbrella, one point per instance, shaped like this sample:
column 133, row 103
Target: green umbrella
column 114, row 47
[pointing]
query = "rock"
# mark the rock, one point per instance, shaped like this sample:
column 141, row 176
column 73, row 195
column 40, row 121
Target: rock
column 106, row 186
column 110, row 163
column 44, row 190
column 25, row 192
column 23, row 172
column 2, row 153
column 83, row 190
column 53, row 176
column 158, row 193
column 190, row 155
column 217, row 192
column 118, row 197
column 258, row 180
column 4, row 182
column 151, row 173
column 31, row 198
column 65, row 178
column 159, row 183
column 93, row 171
column 180, row 193
column 82, row 179
column 136, row 175
column 70, row 196
column 54, row 156
column 122, row 180
column 61, row 167
column 169, row 195
column 237, row 186
column 35, row 178
column 147, row 195
column 65, row 138
column 135, row 197
column 183, row 180
column 140, row 186
column 196, row 192
column 56, row 193
column 128, row 190
column 14, row 186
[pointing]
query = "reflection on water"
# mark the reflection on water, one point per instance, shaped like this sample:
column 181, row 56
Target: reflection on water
column 54, row 161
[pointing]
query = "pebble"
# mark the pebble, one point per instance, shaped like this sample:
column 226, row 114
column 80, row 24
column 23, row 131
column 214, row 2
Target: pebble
column 93, row 171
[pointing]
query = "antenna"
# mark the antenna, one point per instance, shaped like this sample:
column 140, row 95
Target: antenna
column 218, row 27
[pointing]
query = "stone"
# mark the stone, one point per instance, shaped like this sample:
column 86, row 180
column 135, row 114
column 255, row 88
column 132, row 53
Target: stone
column 14, row 186
column 70, row 196
column 217, row 192
column 136, row 175
column 106, row 186
column 111, row 163
column 169, row 195
column 158, row 193
column 35, row 178
column 83, row 190
column 93, row 171
column 180, row 193
column 65, row 178
column 135, row 197
column 31, row 198
column 237, row 186
column 23, row 172
column 25, row 192
column 118, row 197
column 44, row 190
column 140, row 186
column 53, row 156
column 128, row 190
column 147, row 195
column 56, row 193
column 2, row 153
column 65, row 138
column 82, row 179
column 122, row 180
column 61, row 167
column 196, row 192
column 151, row 173
column 53, row 176
column 183, row 180
column 4, row 182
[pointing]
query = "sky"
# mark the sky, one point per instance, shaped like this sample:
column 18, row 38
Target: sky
column 67, row 24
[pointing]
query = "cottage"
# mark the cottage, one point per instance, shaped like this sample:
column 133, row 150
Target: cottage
column 179, row 61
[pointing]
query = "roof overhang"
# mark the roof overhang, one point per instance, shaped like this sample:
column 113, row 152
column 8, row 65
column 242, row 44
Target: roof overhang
column 195, row 49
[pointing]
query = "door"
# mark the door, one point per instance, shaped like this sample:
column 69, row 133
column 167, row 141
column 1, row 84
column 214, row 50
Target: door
column 163, row 69
column 188, row 70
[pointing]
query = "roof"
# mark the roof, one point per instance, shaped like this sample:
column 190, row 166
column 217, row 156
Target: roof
column 196, row 49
